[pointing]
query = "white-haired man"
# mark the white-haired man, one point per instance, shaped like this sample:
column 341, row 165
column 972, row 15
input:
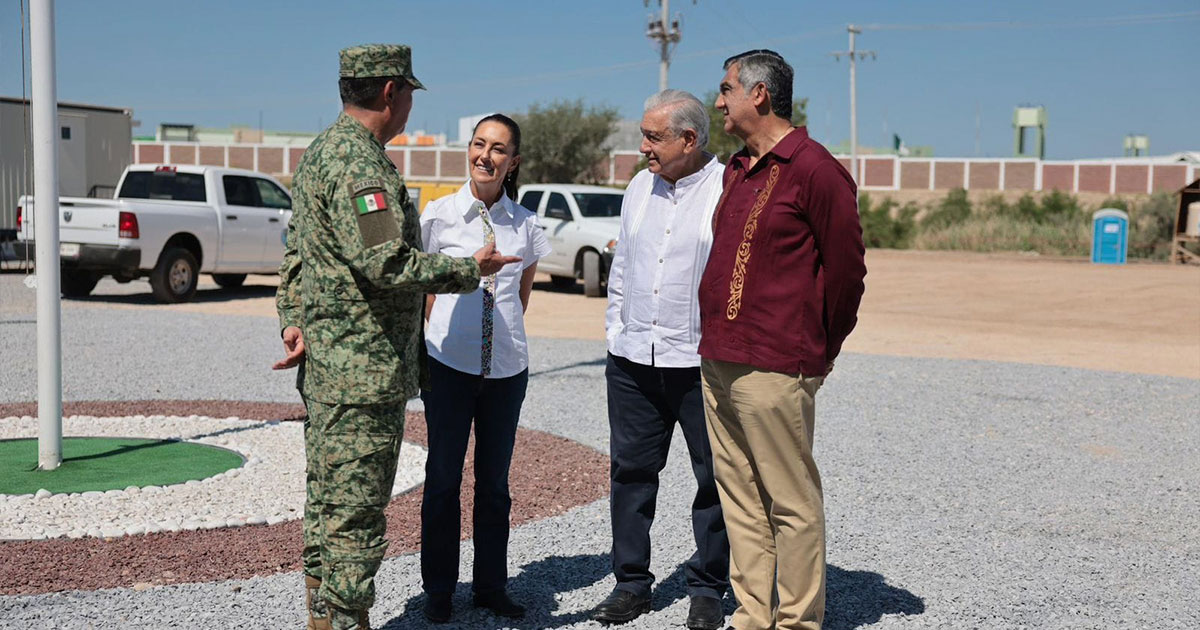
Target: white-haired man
column 653, row 372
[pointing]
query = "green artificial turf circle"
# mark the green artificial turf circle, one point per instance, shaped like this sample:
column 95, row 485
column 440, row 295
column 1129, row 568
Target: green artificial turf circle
column 110, row 463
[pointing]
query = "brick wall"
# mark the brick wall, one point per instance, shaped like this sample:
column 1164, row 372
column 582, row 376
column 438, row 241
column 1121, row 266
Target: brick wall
column 948, row 174
column 1020, row 175
column 878, row 172
column 984, row 175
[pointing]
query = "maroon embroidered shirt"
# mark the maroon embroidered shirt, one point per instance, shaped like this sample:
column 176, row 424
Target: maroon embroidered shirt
column 784, row 279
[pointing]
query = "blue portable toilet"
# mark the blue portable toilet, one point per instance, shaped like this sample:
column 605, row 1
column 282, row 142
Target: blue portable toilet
column 1110, row 236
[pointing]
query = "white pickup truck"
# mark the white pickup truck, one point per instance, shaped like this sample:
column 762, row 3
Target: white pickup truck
column 168, row 223
column 582, row 224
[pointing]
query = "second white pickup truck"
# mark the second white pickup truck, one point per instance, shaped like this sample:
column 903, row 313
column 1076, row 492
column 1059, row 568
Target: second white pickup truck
column 170, row 224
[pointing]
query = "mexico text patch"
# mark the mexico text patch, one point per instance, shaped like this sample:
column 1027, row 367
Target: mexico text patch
column 370, row 202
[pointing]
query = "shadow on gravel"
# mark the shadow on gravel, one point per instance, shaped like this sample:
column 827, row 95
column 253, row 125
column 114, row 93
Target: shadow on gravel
column 202, row 295
column 536, row 587
column 852, row 598
column 571, row 366
column 860, row 598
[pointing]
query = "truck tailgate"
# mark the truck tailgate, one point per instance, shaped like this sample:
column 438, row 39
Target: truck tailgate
column 80, row 220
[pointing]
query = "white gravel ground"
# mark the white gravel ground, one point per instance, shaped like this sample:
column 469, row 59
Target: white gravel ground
column 959, row 494
column 267, row 488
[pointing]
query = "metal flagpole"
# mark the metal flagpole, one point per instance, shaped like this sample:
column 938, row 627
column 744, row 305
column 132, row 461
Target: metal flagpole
column 45, row 185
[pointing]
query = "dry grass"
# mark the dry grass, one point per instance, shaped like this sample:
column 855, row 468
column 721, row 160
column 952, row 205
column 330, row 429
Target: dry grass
column 998, row 233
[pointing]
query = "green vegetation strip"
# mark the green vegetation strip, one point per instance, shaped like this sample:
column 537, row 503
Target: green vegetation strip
column 109, row 463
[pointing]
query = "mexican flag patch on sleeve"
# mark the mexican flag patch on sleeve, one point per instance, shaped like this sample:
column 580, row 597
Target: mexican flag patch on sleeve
column 370, row 202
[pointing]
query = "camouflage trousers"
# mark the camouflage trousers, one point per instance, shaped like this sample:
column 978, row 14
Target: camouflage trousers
column 351, row 453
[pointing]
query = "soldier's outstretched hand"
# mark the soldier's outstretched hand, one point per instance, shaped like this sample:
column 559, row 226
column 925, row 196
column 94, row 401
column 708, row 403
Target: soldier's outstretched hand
column 293, row 345
column 490, row 260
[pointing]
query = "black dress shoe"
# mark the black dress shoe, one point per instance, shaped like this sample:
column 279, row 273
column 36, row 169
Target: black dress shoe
column 437, row 607
column 498, row 602
column 621, row 607
column 705, row 614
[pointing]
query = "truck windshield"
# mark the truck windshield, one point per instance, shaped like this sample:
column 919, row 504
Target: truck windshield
column 163, row 185
column 599, row 204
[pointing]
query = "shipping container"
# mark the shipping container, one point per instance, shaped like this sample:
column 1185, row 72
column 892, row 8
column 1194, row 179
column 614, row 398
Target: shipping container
column 94, row 149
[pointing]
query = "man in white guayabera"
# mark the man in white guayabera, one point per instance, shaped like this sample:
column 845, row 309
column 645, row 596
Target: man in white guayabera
column 653, row 372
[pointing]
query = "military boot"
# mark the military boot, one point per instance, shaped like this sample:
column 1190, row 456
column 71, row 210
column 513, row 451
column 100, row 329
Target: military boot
column 317, row 619
column 340, row 619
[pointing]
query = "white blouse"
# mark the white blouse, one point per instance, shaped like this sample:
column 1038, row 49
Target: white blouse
column 454, row 335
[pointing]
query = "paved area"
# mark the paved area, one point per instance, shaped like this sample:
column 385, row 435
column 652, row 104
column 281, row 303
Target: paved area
column 960, row 493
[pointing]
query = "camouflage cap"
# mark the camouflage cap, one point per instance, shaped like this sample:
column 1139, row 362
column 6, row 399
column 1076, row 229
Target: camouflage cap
column 378, row 60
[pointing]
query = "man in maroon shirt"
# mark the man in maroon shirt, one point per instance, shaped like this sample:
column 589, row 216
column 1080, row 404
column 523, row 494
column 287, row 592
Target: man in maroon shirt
column 779, row 294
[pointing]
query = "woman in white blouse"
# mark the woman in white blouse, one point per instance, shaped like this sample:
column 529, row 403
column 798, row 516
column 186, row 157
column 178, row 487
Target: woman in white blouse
column 478, row 370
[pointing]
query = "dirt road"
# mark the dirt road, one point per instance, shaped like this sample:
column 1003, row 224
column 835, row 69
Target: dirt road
column 1133, row 318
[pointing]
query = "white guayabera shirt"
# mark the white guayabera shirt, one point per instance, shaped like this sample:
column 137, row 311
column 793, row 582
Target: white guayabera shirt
column 452, row 226
column 653, row 315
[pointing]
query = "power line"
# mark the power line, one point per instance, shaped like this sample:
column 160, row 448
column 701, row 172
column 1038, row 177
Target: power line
column 665, row 32
column 854, row 56
column 1121, row 20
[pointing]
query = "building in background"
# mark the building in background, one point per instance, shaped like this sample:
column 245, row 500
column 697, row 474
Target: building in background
column 93, row 151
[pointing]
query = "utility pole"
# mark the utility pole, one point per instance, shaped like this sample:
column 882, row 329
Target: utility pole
column 854, row 55
column 665, row 32
column 45, row 227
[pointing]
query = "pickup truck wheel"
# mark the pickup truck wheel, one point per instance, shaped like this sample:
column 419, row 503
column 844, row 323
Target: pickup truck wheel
column 591, row 274
column 174, row 277
column 76, row 283
column 229, row 280
column 562, row 282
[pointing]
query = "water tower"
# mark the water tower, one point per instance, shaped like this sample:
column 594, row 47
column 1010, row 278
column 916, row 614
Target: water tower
column 1136, row 145
column 1033, row 119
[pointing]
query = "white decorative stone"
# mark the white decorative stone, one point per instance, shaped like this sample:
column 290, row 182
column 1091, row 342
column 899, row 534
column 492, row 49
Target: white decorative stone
column 42, row 494
column 268, row 488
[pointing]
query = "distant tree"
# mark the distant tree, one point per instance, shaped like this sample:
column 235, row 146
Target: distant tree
column 563, row 142
column 725, row 145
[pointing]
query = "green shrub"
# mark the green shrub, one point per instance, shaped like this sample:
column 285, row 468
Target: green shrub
column 1152, row 226
column 1118, row 203
column 885, row 226
column 1000, row 233
column 954, row 208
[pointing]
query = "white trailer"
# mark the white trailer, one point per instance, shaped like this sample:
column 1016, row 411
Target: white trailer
column 95, row 146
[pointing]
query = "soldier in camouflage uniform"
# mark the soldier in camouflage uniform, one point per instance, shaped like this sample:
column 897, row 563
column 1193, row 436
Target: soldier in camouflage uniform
column 351, row 292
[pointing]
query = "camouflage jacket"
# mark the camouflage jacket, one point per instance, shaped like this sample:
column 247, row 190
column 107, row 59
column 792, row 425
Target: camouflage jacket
column 354, row 275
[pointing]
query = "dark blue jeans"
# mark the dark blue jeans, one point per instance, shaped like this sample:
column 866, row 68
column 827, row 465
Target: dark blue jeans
column 453, row 402
column 644, row 405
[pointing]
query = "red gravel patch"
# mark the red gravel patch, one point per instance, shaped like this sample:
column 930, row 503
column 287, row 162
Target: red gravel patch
column 541, row 487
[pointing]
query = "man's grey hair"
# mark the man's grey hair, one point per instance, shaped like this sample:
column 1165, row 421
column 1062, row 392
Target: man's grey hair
column 769, row 68
column 687, row 112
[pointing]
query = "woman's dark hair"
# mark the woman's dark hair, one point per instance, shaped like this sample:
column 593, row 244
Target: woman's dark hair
column 510, row 180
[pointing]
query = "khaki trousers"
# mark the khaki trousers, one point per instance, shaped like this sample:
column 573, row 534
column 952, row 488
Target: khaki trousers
column 760, row 425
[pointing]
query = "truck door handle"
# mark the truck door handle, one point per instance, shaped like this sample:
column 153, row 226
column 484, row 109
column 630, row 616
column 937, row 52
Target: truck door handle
column 231, row 217
column 273, row 220
column 542, row 226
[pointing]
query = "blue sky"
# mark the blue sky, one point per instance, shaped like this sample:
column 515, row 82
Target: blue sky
column 220, row 63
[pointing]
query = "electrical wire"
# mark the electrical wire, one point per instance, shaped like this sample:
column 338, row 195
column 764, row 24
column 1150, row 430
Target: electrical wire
column 1122, row 20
